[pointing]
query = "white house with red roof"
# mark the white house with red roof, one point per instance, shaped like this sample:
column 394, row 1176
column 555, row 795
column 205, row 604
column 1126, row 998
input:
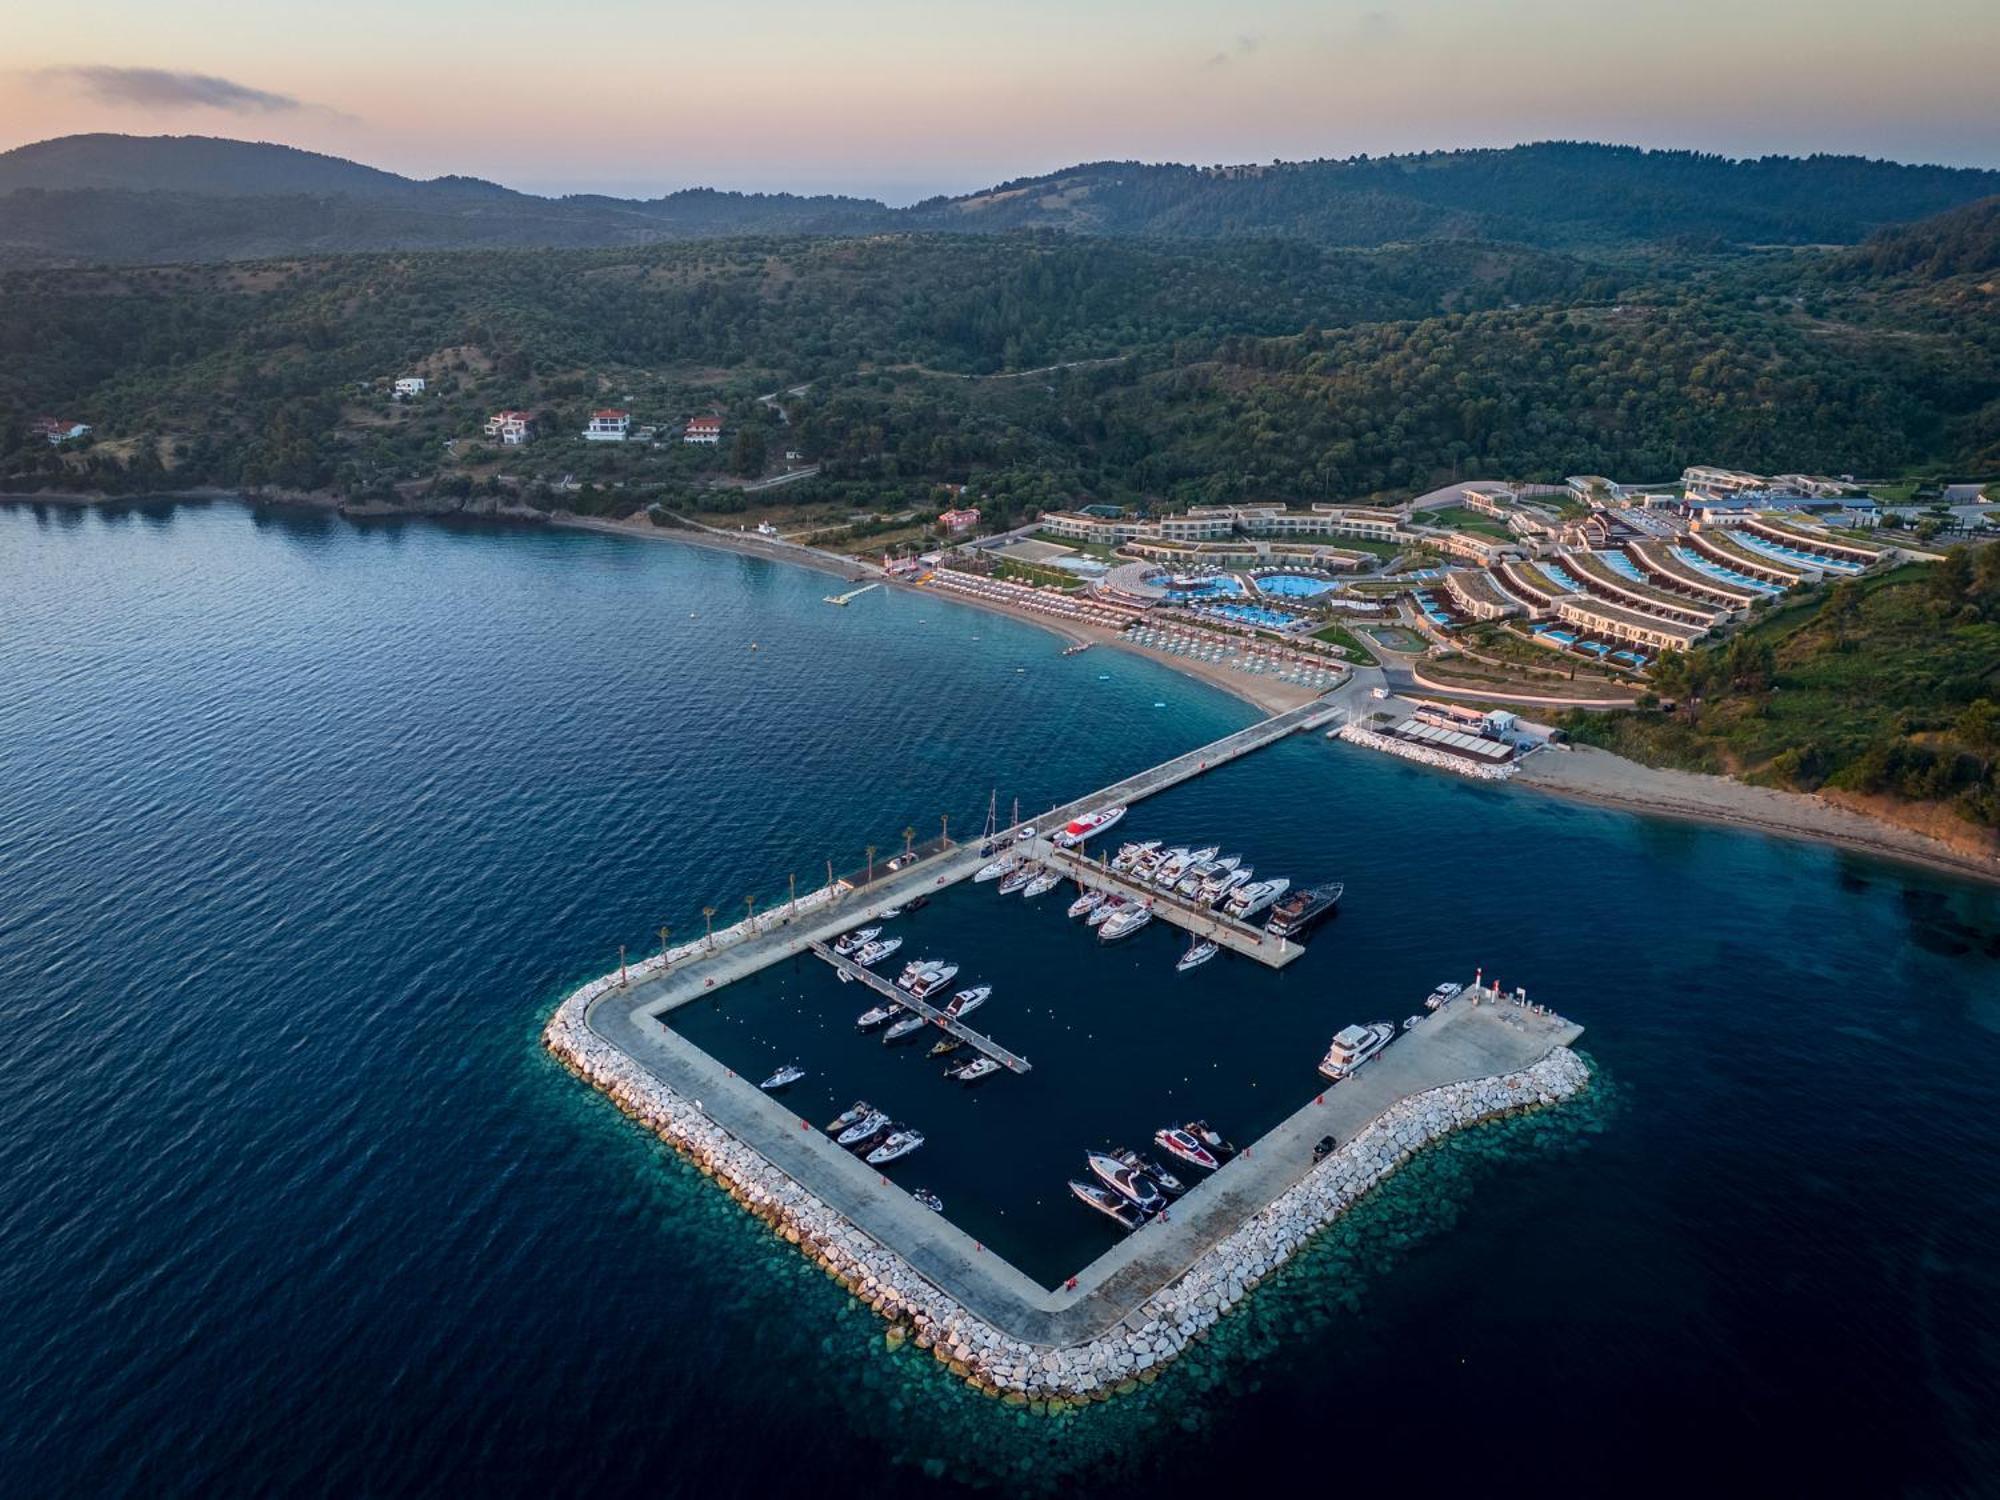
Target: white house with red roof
column 608, row 426
column 57, row 430
column 510, row 427
column 706, row 430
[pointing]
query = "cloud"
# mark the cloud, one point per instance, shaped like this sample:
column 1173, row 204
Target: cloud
column 1245, row 45
column 1379, row 26
column 163, row 88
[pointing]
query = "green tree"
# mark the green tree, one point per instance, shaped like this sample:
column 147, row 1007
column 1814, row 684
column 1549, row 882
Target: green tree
column 747, row 453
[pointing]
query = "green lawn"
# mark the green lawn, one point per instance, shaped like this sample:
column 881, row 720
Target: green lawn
column 1341, row 636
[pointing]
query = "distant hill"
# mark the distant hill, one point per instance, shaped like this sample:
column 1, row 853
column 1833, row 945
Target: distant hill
column 94, row 198
column 1960, row 242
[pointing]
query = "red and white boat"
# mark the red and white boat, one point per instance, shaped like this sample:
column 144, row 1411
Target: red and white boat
column 1088, row 826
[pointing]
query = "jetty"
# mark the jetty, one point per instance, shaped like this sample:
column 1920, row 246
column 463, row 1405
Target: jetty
column 1223, row 930
column 1012, row 1061
column 851, row 595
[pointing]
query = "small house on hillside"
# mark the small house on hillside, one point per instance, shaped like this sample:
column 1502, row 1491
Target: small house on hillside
column 608, row 426
column 408, row 386
column 706, row 430
column 58, row 430
column 958, row 522
column 510, row 427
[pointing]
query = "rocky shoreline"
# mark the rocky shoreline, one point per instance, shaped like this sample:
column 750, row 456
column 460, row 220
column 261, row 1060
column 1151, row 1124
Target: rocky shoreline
column 1132, row 1352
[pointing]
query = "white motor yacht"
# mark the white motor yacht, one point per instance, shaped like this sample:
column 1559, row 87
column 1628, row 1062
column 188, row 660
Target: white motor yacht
column 1353, row 1046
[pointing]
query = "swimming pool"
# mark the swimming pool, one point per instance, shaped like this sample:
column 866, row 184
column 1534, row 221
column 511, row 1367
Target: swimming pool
column 1194, row 590
column 1559, row 578
column 1294, row 586
column 1253, row 614
column 1795, row 555
column 1620, row 564
column 1728, row 575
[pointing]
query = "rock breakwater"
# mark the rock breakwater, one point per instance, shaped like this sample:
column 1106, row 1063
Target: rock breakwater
column 1131, row 1351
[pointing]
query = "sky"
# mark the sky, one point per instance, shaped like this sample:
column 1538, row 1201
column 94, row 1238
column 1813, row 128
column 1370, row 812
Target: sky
column 899, row 100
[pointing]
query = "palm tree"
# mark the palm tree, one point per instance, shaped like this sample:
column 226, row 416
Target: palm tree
column 750, row 905
column 909, row 841
column 708, row 916
column 665, row 933
column 871, row 864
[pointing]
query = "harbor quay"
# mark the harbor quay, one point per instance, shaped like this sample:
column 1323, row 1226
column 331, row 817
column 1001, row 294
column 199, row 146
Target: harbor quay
column 1203, row 921
column 1137, row 1306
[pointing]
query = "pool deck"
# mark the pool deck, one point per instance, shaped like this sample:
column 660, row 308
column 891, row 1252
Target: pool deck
column 1460, row 1043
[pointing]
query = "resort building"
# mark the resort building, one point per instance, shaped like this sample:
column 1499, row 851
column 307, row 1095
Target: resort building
column 1595, row 489
column 408, row 386
column 608, row 426
column 1486, row 551
column 1614, row 576
column 1702, row 482
column 1480, row 595
column 1602, row 618
column 1220, row 523
column 56, row 431
column 704, row 430
column 958, row 522
column 510, row 427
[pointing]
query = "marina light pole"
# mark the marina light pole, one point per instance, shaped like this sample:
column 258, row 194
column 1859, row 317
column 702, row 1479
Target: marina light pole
column 750, row 903
column 708, row 917
column 909, row 842
column 871, row 864
column 665, row 933
column 621, row 965
column 944, row 829
column 794, row 878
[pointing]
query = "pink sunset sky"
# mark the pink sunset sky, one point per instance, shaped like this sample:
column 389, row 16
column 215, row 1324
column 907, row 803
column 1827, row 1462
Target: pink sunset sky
column 899, row 100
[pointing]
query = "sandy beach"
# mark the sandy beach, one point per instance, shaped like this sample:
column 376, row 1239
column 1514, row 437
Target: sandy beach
column 1594, row 775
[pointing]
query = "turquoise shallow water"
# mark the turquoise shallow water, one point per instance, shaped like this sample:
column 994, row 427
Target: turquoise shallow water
column 306, row 825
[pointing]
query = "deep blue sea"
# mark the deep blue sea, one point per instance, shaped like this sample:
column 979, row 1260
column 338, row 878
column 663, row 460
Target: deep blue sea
column 305, row 825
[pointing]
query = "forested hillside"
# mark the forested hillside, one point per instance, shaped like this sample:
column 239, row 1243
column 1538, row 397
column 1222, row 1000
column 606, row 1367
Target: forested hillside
column 104, row 198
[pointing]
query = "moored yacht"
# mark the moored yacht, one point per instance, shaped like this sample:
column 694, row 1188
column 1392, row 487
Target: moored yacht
column 1087, row 903
column 1130, row 854
column 1123, row 923
column 973, row 1071
column 1042, row 884
column 1129, row 1183
column 860, row 937
column 1179, row 1143
column 1107, row 1203
column 920, row 968
column 1015, row 878
column 927, row 985
column 1169, row 1184
column 1248, row 900
column 1353, row 1046
column 1302, row 909
column 1105, row 910
column 994, row 870
column 1088, row 826
column 848, row 1116
column 1442, row 993
column 785, row 1077
column 965, row 1002
column 908, row 1026
column 901, row 1143
column 1197, row 955
column 868, row 1020
column 868, row 1126
column 929, row 1200
column 1218, row 891
column 870, row 954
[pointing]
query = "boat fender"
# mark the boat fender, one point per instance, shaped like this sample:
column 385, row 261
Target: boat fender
column 804, row 1126
column 1321, row 1099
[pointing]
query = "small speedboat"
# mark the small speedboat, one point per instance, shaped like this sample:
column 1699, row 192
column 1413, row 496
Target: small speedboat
column 929, row 1200
column 1085, row 904
column 852, row 941
column 908, row 1026
column 1016, row 878
column 868, row 1126
column 900, row 1143
column 946, row 1045
column 848, row 1116
column 1129, row 1183
column 972, row 1072
column 1107, row 1203
column 1180, row 1144
column 868, row 1020
column 1210, row 1137
column 1196, row 956
column 916, row 903
column 786, row 1076
column 965, row 1002
column 1042, row 884
column 1411, row 1023
column 1442, row 993
column 891, row 914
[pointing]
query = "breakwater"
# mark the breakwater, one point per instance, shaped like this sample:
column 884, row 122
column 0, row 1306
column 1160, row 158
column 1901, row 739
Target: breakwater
column 1354, row 734
column 1130, row 1350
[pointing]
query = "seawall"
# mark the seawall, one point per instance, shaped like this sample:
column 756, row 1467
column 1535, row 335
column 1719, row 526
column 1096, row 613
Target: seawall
column 1090, row 1368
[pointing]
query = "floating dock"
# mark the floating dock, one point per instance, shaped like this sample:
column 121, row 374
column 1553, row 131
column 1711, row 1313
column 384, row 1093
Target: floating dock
column 1012, row 1061
column 851, row 595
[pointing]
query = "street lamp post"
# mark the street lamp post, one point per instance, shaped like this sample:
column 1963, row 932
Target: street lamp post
column 665, row 933
column 621, row 965
column 871, row 864
column 708, row 917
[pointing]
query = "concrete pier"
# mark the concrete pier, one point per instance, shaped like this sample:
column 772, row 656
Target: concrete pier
column 1012, row 1061
column 1224, row 931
